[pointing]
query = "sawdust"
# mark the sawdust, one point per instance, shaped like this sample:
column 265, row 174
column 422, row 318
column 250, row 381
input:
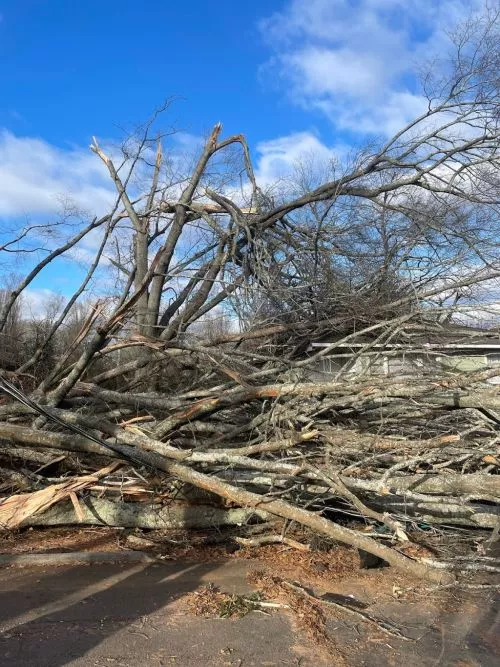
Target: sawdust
column 320, row 566
column 62, row 540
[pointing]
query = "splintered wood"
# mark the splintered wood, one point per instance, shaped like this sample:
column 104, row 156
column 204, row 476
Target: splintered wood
column 16, row 509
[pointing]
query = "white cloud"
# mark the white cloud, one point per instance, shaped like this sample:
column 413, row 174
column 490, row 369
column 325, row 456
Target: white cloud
column 277, row 158
column 326, row 71
column 356, row 61
column 85, row 251
column 185, row 141
column 387, row 118
column 38, row 302
column 35, row 176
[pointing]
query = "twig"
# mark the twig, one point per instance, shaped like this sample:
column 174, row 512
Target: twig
column 385, row 626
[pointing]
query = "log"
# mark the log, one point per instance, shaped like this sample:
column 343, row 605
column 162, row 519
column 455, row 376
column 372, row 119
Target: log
column 445, row 512
column 103, row 512
column 25, row 453
column 29, row 436
column 475, row 485
column 433, row 510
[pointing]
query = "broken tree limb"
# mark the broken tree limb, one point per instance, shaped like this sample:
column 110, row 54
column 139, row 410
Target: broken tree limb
column 309, row 519
column 475, row 485
column 15, row 510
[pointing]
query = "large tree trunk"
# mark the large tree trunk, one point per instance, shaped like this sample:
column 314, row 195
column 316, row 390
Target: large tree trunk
column 102, row 512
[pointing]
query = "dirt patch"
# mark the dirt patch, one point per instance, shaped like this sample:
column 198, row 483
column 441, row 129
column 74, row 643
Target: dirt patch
column 175, row 545
column 338, row 567
column 306, row 615
column 315, row 566
column 62, row 540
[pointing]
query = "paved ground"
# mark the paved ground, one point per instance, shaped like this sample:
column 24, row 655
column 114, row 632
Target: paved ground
column 134, row 615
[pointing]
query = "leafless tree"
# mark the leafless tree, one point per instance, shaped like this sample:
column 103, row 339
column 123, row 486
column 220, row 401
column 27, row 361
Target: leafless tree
column 388, row 244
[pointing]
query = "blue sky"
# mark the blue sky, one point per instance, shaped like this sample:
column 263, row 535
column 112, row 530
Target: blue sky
column 73, row 69
column 295, row 76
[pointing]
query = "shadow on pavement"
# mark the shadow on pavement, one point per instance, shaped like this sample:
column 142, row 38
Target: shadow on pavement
column 475, row 629
column 52, row 619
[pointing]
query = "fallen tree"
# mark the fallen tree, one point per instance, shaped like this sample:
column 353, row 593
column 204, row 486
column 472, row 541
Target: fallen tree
column 208, row 428
column 308, row 470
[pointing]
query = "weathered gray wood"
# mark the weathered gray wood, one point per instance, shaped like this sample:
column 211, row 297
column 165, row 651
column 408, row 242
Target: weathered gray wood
column 103, row 512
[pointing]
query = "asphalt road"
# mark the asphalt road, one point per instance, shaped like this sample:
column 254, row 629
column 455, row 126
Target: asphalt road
column 134, row 614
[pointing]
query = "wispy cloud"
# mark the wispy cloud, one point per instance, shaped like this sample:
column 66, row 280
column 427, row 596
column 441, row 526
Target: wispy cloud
column 36, row 176
column 356, row 61
column 278, row 158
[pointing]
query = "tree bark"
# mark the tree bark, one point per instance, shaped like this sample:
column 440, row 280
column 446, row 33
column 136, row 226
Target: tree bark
column 103, row 512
